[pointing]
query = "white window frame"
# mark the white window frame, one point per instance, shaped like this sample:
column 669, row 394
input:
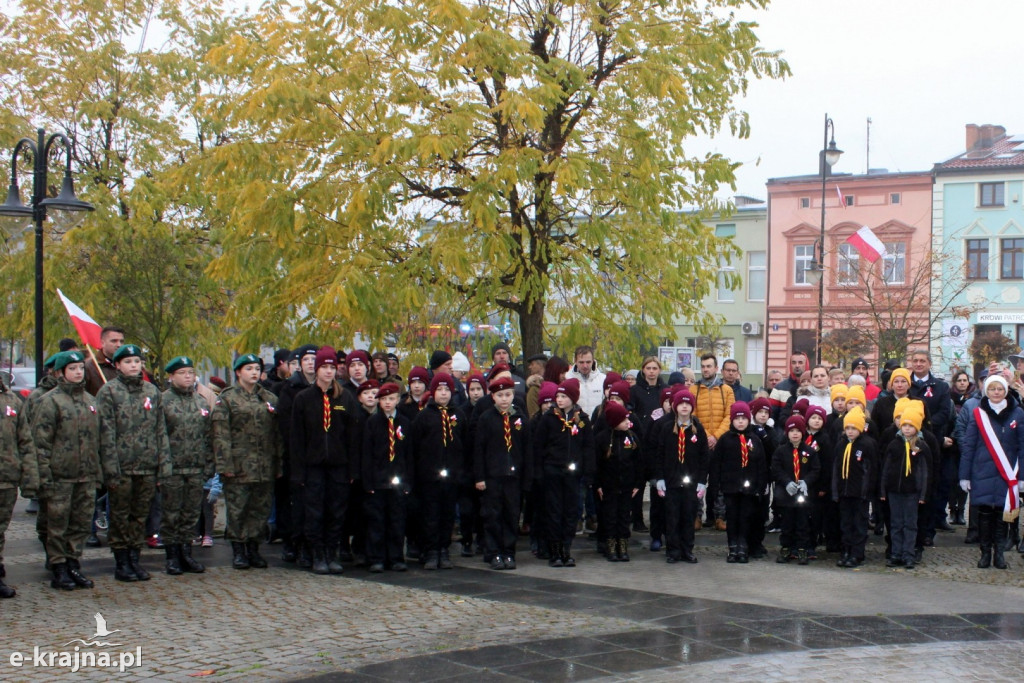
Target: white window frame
column 848, row 265
column 802, row 253
column 895, row 252
column 751, row 269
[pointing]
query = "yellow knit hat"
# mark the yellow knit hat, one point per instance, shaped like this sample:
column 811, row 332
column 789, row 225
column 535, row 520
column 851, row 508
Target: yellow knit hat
column 837, row 391
column 855, row 418
column 913, row 414
column 901, row 405
column 899, row 372
column 856, row 393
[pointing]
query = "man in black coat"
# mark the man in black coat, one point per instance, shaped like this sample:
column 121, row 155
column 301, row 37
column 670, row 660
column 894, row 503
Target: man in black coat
column 934, row 392
column 288, row 506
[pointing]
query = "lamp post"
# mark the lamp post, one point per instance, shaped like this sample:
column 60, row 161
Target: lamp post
column 829, row 156
column 66, row 208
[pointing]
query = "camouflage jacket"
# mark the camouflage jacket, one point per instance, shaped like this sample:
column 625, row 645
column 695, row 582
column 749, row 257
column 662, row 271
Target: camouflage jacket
column 246, row 439
column 133, row 434
column 66, row 435
column 30, row 469
column 15, row 440
column 189, row 432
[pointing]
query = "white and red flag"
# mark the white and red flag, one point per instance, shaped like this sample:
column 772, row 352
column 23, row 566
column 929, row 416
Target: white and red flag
column 867, row 244
column 88, row 329
column 842, row 199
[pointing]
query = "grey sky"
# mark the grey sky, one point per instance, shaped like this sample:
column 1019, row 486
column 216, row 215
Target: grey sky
column 920, row 70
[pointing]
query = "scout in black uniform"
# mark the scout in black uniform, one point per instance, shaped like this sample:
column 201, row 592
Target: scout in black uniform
column 387, row 480
column 761, row 409
column 740, row 468
column 904, row 484
column 288, row 505
column 438, row 443
column 564, row 452
column 795, row 470
column 823, row 509
column 619, row 477
column 853, row 485
column 502, row 471
column 353, row 537
column 322, row 460
column 682, row 471
column 652, row 428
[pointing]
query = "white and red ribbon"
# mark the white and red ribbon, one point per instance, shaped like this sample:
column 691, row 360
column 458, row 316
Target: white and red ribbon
column 995, row 449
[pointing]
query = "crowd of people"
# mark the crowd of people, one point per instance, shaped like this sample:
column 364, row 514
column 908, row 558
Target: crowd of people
column 347, row 461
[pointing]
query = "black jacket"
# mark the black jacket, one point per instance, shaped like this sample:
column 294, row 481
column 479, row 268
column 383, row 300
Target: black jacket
column 695, row 455
column 860, row 475
column 560, row 448
column 492, row 457
column 822, row 444
column 379, row 471
column 310, row 444
column 619, row 463
column 439, row 443
column 936, row 396
column 895, row 478
column 727, row 468
column 783, row 472
column 289, row 389
column 410, row 408
column 645, row 398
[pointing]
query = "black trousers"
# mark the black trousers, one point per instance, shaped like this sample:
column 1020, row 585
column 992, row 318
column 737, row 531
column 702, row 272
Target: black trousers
column 325, row 499
column 740, row 509
column 561, row 505
column 283, row 504
column 658, row 514
column 353, row 535
column 470, row 519
column 825, row 523
column 385, row 526
column 638, row 507
column 680, row 512
column 437, row 513
column 499, row 506
column 796, row 528
column 853, row 524
column 616, row 510
column 756, row 531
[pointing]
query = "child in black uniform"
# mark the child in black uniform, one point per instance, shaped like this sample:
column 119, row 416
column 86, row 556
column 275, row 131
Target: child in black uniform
column 853, row 486
column 904, row 484
column 740, row 469
column 620, row 476
column 387, row 479
column 682, row 472
column 794, row 471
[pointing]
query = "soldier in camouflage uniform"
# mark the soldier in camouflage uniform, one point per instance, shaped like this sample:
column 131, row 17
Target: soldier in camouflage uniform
column 49, row 381
column 247, row 446
column 65, row 436
column 134, row 453
column 15, row 456
column 190, row 434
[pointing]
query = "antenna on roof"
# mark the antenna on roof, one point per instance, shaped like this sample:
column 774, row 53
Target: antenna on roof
column 868, row 154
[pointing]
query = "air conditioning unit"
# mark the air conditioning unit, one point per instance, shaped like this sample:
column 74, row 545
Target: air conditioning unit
column 751, row 328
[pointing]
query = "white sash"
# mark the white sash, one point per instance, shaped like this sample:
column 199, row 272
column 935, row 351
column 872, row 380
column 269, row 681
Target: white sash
column 1011, row 508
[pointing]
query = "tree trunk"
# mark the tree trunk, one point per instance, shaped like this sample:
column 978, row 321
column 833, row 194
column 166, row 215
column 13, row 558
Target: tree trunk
column 531, row 328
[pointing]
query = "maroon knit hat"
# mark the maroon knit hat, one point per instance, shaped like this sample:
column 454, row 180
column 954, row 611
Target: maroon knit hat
column 442, row 378
column 547, row 392
column 615, row 414
column 357, row 355
column 740, row 408
column 419, row 374
column 611, row 378
column 796, row 422
column 571, row 388
column 620, row 389
column 326, row 356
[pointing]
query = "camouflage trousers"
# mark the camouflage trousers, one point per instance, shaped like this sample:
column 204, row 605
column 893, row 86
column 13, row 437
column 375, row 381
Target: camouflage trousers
column 69, row 508
column 41, row 520
column 181, row 498
column 248, row 509
column 7, row 499
column 129, row 508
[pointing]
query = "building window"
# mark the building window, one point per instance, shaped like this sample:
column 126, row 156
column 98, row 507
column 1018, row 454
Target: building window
column 803, row 259
column 1012, row 258
column 848, row 272
column 848, row 200
column 977, row 259
column 805, row 202
column 894, row 198
column 755, row 356
column 725, row 230
column 757, row 276
column 725, row 293
column 991, row 194
column 894, row 263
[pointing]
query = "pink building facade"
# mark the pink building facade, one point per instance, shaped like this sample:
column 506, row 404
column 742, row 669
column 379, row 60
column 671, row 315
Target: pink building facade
column 897, row 207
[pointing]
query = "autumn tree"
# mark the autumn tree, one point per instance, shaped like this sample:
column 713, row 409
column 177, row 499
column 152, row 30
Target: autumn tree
column 526, row 159
column 987, row 347
column 140, row 260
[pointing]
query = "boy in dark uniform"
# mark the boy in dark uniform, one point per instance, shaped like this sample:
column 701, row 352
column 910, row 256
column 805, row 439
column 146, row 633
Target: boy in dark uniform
column 681, row 471
column 387, row 479
column 761, row 409
column 740, row 469
column 853, row 486
column 502, row 471
column 795, row 470
column 619, row 477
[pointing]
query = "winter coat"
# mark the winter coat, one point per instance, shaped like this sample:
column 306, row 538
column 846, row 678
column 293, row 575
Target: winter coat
column 696, row 457
column 619, row 461
column 822, row 444
column 727, row 469
column 379, row 469
column 712, row 406
column 189, row 432
column 591, row 390
column 562, row 446
column 133, row 430
column 15, row 441
column 859, row 479
column 645, row 398
column 311, row 444
column 495, row 458
column 896, row 479
column 246, row 439
column 439, row 443
column 976, row 464
column 66, row 435
column 783, row 472
column 286, row 394
column 935, row 394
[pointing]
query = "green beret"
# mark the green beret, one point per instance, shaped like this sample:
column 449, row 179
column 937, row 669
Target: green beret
column 247, row 359
column 178, row 363
column 127, row 351
column 66, row 358
column 48, row 363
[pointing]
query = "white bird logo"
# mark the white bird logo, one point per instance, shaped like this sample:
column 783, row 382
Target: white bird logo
column 101, row 627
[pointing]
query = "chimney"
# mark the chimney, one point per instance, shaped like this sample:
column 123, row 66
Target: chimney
column 989, row 134
column 972, row 136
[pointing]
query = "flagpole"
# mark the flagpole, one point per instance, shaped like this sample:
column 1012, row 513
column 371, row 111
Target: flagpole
column 98, row 368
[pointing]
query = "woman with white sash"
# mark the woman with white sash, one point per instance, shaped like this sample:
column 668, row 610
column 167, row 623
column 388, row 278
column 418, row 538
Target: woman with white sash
column 990, row 453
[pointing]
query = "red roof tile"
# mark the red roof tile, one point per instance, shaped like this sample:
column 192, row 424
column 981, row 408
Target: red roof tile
column 1007, row 151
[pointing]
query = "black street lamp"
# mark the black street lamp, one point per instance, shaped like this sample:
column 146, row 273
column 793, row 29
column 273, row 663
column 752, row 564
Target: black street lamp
column 829, row 156
column 66, row 209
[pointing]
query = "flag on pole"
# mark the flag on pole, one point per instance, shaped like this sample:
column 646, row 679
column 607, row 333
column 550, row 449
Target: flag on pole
column 842, row 199
column 88, row 329
column 867, row 244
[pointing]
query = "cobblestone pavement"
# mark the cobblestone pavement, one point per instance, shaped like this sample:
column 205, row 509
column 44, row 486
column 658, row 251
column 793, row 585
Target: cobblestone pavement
column 637, row 621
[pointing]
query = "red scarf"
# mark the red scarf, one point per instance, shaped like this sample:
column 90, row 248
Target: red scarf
column 327, row 413
column 681, row 445
column 796, row 464
column 391, row 439
column 508, row 432
column 744, row 451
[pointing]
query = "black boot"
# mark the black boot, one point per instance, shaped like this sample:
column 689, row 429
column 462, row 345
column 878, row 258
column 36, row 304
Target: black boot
column 5, row 590
column 305, row 555
column 555, row 550
column 288, row 553
column 742, row 555
column 75, row 572
column 985, row 533
column 731, row 557
column 972, row 525
column 567, row 558
column 430, row 559
column 783, row 557
column 133, row 562
column 445, row 560
column 61, row 579
column 333, row 565
column 319, row 560
column 173, row 561
column 122, row 567
column 241, row 560
column 623, row 550
column 255, row 559
column 612, row 549
column 187, row 563
column 1003, row 531
column 1011, row 534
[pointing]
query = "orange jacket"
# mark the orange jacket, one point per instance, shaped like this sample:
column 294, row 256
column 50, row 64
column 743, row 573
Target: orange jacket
column 713, row 406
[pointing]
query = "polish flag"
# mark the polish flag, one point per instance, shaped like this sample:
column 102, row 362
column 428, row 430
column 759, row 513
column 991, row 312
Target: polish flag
column 867, row 243
column 842, row 199
column 88, row 329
